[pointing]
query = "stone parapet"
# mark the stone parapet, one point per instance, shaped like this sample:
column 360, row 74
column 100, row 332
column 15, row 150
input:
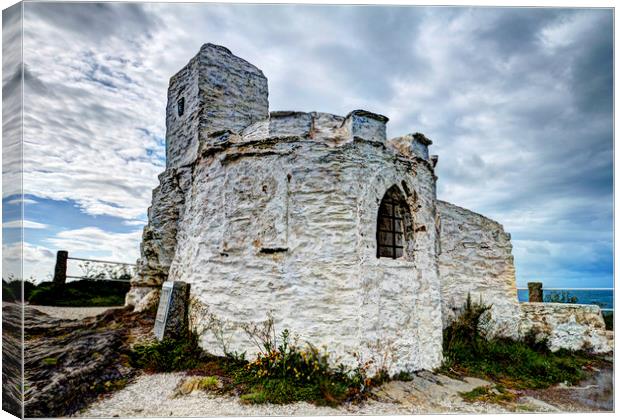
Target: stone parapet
column 415, row 144
column 319, row 127
column 365, row 125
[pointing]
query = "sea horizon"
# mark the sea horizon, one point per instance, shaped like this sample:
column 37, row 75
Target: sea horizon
column 603, row 297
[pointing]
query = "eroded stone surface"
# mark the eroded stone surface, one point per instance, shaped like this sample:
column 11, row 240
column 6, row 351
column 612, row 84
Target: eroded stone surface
column 566, row 326
column 288, row 227
column 476, row 259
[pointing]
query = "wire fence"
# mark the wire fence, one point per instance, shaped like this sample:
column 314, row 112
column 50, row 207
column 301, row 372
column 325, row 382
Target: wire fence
column 90, row 272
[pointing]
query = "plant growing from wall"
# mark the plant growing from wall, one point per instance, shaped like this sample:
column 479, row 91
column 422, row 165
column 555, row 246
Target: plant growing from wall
column 283, row 372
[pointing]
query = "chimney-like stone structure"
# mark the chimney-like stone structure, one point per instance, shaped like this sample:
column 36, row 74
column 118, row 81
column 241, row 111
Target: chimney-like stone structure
column 215, row 91
column 415, row 144
column 535, row 291
column 365, row 125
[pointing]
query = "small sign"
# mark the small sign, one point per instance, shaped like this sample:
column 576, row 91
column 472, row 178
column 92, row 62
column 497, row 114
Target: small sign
column 163, row 309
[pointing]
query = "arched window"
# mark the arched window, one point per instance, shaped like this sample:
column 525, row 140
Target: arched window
column 392, row 222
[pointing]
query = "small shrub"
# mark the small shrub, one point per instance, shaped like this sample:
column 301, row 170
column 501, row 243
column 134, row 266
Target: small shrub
column 12, row 289
column 209, row 382
column 109, row 386
column 489, row 394
column 403, row 376
column 284, row 373
column 254, row 398
column 518, row 364
column 168, row 355
column 191, row 384
column 50, row 361
column 81, row 293
column 7, row 292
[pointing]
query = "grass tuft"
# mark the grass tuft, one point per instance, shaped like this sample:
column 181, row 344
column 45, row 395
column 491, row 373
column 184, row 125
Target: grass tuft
column 490, row 394
column 516, row 364
column 281, row 374
column 168, row 355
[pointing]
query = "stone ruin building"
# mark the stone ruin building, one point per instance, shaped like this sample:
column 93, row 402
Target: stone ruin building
column 319, row 221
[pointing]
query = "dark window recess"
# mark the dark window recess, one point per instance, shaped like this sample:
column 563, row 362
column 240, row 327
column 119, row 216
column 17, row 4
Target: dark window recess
column 390, row 224
column 181, row 106
column 273, row 250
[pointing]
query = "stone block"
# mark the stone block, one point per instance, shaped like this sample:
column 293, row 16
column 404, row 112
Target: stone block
column 413, row 145
column 172, row 312
column 366, row 125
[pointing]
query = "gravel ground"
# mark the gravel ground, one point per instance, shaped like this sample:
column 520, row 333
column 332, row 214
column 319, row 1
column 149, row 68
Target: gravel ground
column 63, row 312
column 154, row 396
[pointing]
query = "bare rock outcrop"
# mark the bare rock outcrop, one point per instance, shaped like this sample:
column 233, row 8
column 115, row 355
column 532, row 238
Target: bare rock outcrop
column 69, row 362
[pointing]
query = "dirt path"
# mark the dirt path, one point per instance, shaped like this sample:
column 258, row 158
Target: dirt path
column 593, row 394
column 62, row 312
column 158, row 395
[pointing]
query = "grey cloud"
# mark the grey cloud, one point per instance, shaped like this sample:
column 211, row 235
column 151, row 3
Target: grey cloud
column 523, row 129
column 97, row 21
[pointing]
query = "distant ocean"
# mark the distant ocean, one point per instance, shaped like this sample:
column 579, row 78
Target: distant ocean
column 602, row 298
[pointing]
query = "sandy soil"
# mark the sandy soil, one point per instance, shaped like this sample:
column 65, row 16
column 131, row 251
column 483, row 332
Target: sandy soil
column 62, row 312
column 157, row 396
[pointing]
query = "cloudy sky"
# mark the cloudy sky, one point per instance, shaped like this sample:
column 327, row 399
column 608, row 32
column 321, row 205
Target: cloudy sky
column 518, row 103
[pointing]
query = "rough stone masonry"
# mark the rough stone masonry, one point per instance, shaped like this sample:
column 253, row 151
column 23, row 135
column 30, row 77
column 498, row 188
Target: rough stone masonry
column 315, row 220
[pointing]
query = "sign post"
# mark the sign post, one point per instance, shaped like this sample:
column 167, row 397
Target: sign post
column 172, row 312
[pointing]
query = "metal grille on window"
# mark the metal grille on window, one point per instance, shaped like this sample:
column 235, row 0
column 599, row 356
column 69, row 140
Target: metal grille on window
column 390, row 226
column 181, row 106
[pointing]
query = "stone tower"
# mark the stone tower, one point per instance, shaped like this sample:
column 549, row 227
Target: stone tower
column 215, row 91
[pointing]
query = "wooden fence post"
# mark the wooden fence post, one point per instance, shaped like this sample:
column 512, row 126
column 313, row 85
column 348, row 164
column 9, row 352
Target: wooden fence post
column 535, row 291
column 60, row 271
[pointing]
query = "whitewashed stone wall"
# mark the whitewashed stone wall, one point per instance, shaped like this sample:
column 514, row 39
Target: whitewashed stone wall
column 282, row 220
column 476, row 258
column 276, row 215
column 566, row 326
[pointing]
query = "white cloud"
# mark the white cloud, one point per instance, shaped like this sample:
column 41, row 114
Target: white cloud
column 38, row 262
column 19, row 201
column 93, row 242
column 27, row 224
column 134, row 222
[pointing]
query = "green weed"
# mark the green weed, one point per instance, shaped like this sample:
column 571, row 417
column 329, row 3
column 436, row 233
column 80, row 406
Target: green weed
column 517, row 364
column 168, row 355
